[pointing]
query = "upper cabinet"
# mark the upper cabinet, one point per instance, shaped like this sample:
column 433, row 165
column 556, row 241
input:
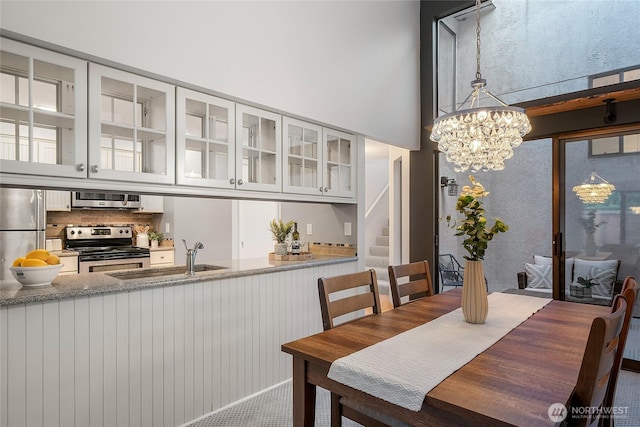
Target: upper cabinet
column 42, row 112
column 55, row 200
column 318, row 161
column 258, row 149
column 151, row 204
column 339, row 162
column 131, row 127
column 205, row 145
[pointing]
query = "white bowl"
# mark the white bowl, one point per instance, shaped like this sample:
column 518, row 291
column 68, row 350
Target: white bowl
column 35, row 276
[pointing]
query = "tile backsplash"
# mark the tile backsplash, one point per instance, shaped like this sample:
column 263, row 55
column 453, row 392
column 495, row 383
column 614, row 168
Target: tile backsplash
column 57, row 221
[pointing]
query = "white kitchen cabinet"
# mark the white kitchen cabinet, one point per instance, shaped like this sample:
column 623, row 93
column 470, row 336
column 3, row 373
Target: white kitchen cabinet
column 258, row 149
column 58, row 200
column 205, row 144
column 161, row 257
column 131, row 127
column 69, row 264
column 151, row 204
column 43, row 117
column 318, row 161
column 339, row 163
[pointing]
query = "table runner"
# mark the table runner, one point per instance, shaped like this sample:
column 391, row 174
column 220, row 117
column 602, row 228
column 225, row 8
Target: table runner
column 404, row 368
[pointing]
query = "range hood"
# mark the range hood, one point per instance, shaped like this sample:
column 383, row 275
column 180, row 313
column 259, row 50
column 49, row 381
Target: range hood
column 100, row 200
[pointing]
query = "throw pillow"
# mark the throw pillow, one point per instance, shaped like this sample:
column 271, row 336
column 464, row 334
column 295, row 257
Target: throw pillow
column 539, row 276
column 603, row 274
column 568, row 267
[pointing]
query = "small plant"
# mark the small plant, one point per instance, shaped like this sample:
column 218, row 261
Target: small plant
column 280, row 230
column 154, row 235
column 589, row 222
column 587, row 283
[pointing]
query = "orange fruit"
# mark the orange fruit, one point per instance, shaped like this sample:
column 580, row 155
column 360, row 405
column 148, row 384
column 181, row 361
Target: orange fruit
column 41, row 254
column 34, row 262
column 53, row 260
column 18, row 262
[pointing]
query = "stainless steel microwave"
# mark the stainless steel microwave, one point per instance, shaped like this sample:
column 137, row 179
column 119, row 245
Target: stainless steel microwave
column 93, row 200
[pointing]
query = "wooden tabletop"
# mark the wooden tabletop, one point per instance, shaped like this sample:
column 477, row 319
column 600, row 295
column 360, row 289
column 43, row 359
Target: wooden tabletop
column 512, row 383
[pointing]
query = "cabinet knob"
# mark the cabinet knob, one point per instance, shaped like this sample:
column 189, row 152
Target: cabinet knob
column 94, row 169
column 81, row 167
column 326, row 189
column 321, row 189
column 232, row 181
column 240, row 182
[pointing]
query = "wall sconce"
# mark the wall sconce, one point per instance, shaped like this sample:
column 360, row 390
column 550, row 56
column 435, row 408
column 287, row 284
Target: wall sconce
column 451, row 184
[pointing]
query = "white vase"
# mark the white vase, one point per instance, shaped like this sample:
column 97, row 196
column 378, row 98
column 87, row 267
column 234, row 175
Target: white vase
column 280, row 248
column 154, row 243
column 475, row 305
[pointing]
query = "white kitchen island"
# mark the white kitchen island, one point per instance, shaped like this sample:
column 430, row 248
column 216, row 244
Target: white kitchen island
column 93, row 350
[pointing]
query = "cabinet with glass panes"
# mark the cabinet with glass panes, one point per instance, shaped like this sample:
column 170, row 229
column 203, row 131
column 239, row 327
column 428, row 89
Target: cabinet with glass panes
column 42, row 112
column 258, row 149
column 131, row 127
column 318, row 161
column 205, row 145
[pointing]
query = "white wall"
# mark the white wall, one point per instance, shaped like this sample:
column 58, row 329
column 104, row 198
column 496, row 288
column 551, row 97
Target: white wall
column 353, row 65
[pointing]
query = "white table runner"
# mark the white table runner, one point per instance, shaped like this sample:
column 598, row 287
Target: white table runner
column 404, row 368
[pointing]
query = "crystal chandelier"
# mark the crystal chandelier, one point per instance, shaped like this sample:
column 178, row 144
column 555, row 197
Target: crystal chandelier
column 480, row 138
column 592, row 192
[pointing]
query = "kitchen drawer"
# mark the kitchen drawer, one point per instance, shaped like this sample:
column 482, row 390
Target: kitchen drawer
column 162, row 257
column 69, row 264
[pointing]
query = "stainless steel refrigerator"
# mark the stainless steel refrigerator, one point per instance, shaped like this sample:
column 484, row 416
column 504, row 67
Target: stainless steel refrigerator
column 22, row 225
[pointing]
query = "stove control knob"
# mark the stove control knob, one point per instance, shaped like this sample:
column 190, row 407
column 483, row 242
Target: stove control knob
column 121, row 231
column 79, row 231
column 126, row 231
column 73, row 232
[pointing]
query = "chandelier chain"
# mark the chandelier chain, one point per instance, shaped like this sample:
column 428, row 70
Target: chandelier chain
column 478, row 74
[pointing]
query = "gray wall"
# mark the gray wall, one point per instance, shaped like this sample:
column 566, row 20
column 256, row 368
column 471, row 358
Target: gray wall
column 206, row 220
column 327, row 221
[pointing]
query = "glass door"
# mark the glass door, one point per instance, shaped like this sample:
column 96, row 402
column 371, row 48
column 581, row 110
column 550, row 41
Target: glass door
column 600, row 219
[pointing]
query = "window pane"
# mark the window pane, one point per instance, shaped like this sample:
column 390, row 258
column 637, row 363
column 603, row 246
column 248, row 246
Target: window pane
column 606, row 80
column 631, row 143
column 45, row 96
column 7, row 140
column 631, row 75
column 605, row 146
column 295, row 140
column 218, row 161
column 193, row 125
column 8, row 88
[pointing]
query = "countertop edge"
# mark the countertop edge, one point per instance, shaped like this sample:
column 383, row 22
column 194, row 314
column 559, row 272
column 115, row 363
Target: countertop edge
column 73, row 286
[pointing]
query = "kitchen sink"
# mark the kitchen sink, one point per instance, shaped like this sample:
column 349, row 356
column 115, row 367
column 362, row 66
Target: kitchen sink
column 162, row 271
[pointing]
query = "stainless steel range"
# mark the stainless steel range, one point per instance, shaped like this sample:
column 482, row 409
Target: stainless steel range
column 106, row 248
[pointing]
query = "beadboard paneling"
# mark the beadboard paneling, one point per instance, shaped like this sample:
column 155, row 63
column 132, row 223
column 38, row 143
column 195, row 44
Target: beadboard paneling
column 153, row 357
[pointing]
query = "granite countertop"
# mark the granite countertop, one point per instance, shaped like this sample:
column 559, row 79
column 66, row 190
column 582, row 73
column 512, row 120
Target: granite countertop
column 86, row 284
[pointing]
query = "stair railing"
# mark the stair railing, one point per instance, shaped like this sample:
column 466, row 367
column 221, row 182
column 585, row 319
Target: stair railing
column 376, row 201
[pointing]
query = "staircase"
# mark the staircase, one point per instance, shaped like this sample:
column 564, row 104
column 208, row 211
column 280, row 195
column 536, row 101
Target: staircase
column 378, row 259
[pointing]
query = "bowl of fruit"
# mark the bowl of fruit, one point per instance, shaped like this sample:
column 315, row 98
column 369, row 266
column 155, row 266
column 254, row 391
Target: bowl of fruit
column 37, row 268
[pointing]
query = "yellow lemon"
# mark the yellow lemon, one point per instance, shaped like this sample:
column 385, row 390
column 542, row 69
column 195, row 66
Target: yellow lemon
column 34, row 262
column 53, row 259
column 41, row 254
column 18, row 262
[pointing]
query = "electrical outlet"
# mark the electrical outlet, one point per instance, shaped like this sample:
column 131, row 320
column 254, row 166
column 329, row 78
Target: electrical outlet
column 309, row 229
column 167, row 227
column 347, row 229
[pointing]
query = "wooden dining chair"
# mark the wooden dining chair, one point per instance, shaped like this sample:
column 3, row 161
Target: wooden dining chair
column 630, row 292
column 349, row 303
column 418, row 285
column 598, row 364
column 332, row 308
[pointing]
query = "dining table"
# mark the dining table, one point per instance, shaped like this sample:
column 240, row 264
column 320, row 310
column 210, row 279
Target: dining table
column 513, row 382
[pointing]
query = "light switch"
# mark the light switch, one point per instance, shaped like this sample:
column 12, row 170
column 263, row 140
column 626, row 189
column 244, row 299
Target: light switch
column 167, row 227
column 309, row 229
column 347, row 229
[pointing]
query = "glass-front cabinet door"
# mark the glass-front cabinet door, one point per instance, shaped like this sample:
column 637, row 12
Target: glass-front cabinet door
column 205, row 140
column 258, row 149
column 339, row 164
column 302, row 148
column 42, row 112
column 131, row 127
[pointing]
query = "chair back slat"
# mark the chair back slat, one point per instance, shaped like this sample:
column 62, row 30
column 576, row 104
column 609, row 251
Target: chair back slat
column 418, row 285
column 334, row 306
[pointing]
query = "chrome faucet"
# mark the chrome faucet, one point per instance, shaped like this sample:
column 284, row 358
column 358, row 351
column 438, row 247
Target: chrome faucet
column 191, row 257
